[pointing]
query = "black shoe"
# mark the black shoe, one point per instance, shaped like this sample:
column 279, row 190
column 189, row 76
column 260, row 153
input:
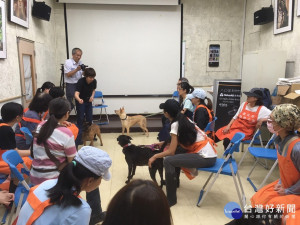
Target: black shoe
column 97, row 219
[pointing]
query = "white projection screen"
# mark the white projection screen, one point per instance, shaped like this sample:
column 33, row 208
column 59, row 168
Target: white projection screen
column 135, row 49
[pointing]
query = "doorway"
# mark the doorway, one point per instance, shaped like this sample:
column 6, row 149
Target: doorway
column 27, row 70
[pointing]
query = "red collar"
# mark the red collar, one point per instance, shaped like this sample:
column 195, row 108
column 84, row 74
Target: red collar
column 126, row 145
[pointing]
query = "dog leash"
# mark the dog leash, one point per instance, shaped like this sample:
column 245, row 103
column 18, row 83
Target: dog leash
column 154, row 114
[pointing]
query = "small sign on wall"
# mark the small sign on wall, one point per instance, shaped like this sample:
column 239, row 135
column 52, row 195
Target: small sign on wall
column 214, row 55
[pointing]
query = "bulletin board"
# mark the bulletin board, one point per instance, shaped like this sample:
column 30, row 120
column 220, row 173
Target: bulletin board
column 226, row 100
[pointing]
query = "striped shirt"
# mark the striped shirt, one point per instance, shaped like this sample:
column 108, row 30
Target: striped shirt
column 61, row 144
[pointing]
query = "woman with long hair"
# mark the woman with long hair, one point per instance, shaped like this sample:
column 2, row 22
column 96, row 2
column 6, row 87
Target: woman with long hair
column 54, row 143
column 57, row 201
column 131, row 206
column 32, row 117
column 46, row 87
column 200, row 149
column 247, row 119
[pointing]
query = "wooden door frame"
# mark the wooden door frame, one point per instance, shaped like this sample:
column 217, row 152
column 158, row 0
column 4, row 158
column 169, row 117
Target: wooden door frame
column 26, row 49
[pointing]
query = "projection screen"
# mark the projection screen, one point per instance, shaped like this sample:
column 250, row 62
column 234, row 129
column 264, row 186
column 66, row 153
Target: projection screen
column 134, row 49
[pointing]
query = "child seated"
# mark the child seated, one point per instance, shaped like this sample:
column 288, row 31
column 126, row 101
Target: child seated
column 11, row 114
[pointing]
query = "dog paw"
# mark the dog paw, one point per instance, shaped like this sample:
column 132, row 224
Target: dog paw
column 127, row 181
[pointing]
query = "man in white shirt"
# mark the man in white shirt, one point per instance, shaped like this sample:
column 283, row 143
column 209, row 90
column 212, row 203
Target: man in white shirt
column 73, row 73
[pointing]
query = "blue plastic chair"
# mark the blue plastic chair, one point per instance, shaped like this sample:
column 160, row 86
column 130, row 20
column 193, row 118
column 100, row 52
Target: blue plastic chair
column 211, row 125
column 12, row 158
column 175, row 95
column 256, row 139
column 28, row 135
column 226, row 166
column 101, row 106
column 263, row 153
column 3, row 221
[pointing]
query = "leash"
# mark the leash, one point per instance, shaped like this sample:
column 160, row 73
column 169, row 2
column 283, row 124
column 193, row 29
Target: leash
column 154, row 114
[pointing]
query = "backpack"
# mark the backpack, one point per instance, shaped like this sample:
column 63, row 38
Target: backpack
column 266, row 97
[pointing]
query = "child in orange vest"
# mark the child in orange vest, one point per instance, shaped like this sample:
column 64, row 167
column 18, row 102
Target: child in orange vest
column 11, row 114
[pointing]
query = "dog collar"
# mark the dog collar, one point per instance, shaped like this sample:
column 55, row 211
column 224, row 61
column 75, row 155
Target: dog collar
column 125, row 118
column 126, row 145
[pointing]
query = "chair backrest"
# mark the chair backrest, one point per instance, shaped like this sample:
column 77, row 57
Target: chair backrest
column 234, row 144
column 28, row 135
column 211, row 125
column 255, row 138
column 175, row 94
column 98, row 94
column 12, row 158
column 271, row 141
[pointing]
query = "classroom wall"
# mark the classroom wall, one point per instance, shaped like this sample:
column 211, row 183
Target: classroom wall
column 48, row 38
column 212, row 22
column 261, row 37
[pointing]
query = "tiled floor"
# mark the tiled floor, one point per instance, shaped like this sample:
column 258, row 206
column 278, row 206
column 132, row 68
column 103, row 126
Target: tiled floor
column 185, row 212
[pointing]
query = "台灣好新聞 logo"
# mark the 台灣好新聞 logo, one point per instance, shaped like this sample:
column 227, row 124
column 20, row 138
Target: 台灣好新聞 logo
column 232, row 210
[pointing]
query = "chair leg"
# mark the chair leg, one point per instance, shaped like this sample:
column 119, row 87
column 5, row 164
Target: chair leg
column 19, row 204
column 236, row 186
column 3, row 221
column 242, row 147
column 12, row 211
column 246, row 151
column 106, row 116
column 208, row 189
column 248, row 177
column 254, row 165
column 203, row 188
column 268, row 175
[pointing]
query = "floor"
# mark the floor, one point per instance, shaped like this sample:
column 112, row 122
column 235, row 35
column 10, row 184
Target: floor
column 185, row 211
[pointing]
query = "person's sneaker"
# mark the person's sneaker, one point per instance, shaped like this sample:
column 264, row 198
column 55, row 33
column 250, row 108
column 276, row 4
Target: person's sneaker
column 97, row 219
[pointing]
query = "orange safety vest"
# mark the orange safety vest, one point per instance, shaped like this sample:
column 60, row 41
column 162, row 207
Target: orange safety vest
column 37, row 205
column 289, row 175
column 195, row 148
column 245, row 123
column 27, row 119
column 45, row 115
column 4, row 168
column 211, row 133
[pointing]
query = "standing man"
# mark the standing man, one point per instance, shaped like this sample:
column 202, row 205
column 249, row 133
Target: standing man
column 73, row 73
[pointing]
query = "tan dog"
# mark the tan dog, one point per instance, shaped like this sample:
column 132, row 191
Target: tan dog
column 89, row 132
column 129, row 121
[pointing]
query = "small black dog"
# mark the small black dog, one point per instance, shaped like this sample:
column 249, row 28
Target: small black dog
column 139, row 156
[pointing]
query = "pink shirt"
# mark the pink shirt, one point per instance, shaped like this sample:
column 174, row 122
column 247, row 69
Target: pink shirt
column 61, row 144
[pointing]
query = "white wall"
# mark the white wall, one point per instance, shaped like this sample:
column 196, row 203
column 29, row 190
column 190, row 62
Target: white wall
column 212, row 22
column 50, row 50
column 261, row 37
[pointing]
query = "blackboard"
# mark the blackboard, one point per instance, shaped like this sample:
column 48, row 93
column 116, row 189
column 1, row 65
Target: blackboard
column 226, row 100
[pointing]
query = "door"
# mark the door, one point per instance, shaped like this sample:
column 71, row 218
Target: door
column 27, row 70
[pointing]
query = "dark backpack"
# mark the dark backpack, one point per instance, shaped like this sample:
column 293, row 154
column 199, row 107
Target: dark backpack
column 266, row 97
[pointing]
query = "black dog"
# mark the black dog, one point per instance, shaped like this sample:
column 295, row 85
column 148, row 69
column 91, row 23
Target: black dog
column 139, row 156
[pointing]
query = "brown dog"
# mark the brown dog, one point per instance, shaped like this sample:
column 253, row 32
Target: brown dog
column 89, row 131
column 129, row 121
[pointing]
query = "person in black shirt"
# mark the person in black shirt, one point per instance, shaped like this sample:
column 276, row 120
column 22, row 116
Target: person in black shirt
column 84, row 95
column 11, row 114
column 203, row 112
